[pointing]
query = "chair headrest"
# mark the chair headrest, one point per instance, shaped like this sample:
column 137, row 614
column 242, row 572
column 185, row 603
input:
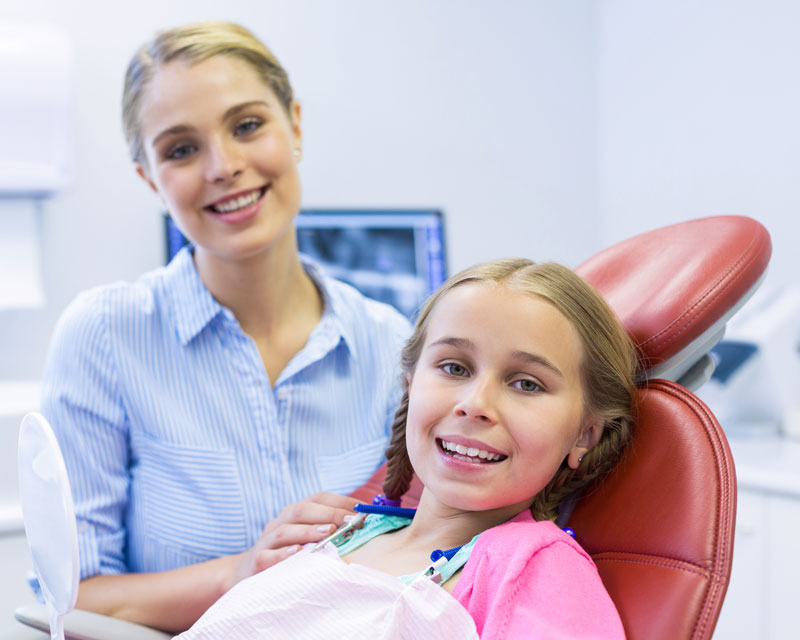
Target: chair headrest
column 674, row 288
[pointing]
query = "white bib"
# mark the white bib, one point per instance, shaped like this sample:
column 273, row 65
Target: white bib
column 317, row 595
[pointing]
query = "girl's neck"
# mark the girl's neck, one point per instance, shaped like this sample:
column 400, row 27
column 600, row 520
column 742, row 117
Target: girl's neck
column 262, row 290
column 440, row 526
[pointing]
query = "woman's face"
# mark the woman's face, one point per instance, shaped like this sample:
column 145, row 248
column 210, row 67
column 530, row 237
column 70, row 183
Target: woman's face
column 496, row 399
column 221, row 153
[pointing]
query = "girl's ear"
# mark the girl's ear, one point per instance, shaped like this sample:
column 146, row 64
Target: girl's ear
column 590, row 435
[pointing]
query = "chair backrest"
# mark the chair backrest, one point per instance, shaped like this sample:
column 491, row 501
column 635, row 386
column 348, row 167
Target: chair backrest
column 660, row 527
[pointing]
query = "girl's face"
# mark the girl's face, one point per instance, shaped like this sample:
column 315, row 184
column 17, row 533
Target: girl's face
column 495, row 401
column 220, row 153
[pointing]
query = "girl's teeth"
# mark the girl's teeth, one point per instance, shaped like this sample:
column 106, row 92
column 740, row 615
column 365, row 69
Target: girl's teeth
column 469, row 453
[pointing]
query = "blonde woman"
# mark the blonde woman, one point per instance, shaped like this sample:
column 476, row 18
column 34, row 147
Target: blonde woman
column 210, row 411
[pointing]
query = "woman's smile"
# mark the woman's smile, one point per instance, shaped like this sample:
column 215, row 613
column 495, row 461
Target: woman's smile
column 221, row 153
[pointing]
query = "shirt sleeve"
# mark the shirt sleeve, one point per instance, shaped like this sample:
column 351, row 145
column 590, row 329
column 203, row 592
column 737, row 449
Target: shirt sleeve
column 552, row 592
column 81, row 400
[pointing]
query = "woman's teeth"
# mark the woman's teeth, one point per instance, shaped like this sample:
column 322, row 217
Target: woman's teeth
column 237, row 203
column 469, row 454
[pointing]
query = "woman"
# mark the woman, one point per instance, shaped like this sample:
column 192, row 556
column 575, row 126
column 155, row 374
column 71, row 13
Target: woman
column 199, row 407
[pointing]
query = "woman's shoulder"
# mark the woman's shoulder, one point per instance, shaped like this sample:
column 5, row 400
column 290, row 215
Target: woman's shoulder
column 121, row 300
column 354, row 308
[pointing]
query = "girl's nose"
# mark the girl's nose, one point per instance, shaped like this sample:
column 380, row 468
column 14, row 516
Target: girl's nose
column 477, row 402
column 223, row 162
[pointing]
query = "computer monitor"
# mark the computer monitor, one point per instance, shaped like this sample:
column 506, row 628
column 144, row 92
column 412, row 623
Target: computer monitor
column 395, row 256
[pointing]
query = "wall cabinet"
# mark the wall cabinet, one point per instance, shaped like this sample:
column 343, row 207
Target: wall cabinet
column 762, row 597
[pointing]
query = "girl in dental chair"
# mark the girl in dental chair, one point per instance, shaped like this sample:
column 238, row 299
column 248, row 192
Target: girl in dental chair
column 519, row 383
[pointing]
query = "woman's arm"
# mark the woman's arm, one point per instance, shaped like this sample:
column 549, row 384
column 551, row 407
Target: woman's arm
column 173, row 600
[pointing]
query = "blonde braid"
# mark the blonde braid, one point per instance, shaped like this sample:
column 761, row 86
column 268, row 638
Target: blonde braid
column 398, row 466
column 568, row 482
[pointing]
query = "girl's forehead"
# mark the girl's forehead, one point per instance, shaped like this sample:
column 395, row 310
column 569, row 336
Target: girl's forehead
column 507, row 320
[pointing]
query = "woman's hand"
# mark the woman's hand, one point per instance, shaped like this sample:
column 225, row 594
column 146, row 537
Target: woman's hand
column 306, row 521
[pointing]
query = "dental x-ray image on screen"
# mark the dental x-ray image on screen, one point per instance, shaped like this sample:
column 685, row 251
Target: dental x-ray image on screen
column 396, row 256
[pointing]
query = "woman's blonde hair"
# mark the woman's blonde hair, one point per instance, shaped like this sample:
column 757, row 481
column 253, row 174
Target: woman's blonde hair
column 193, row 43
column 608, row 368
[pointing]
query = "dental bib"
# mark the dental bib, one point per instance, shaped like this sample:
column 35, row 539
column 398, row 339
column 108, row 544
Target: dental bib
column 318, row 595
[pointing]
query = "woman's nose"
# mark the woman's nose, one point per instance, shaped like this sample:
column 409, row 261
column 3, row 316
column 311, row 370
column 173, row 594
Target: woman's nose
column 223, row 162
column 478, row 402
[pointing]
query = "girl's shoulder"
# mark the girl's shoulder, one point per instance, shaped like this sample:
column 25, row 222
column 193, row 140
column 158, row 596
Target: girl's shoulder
column 523, row 537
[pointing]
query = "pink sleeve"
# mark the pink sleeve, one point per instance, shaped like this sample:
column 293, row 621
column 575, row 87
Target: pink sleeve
column 520, row 587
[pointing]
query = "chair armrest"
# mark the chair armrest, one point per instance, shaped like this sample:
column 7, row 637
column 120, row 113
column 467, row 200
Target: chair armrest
column 84, row 625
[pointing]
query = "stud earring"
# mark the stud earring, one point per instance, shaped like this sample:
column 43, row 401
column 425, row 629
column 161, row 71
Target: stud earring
column 580, row 459
column 296, row 153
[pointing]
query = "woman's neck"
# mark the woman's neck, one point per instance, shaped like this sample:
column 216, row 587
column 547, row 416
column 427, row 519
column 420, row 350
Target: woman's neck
column 263, row 290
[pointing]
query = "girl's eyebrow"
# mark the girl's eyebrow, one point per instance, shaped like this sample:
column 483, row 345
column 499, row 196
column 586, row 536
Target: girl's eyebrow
column 184, row 128
column 467, row 345
column 533, row 359
column 459, row 343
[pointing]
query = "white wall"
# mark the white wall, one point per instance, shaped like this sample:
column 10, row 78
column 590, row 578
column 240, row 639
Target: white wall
column 485, row 110
column 698, row 107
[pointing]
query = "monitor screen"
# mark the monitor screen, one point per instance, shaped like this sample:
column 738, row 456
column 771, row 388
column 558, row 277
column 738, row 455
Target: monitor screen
column 395, row 256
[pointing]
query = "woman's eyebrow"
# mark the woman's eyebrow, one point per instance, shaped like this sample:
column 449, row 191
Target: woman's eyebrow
column 178, row 128
column 185, row 128
column 245, row 105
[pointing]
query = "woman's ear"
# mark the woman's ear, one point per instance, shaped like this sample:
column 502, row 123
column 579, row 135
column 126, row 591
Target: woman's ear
column 590, row 435
column 143, row 175
column 297, row 130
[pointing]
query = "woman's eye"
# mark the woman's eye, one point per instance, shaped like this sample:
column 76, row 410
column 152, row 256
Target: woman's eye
column 247, row 126
column 180, row 151
column 454, row 369
column 529, row 386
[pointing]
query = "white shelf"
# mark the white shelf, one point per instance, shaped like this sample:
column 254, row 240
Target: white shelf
column 11, row 518
column 18, row 397
column 767, row 463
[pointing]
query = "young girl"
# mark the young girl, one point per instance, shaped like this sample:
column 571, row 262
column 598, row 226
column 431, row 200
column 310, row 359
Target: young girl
column 519, row 390
column 199, row 407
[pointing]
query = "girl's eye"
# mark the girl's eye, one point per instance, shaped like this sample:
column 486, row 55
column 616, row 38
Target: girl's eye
column 529, row 386
column 454, row 369
column 247, row 126
column 180, row 151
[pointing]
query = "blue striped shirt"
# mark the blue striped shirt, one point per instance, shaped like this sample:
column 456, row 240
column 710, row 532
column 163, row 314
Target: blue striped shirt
column 177, row 446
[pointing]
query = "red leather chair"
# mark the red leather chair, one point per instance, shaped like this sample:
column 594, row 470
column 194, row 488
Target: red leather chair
column 660, row 527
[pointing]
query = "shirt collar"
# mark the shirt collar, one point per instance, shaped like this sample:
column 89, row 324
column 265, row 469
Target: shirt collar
column 335, row 310
column 194, row 307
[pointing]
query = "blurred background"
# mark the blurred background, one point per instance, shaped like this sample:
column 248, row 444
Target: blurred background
column 543, row 128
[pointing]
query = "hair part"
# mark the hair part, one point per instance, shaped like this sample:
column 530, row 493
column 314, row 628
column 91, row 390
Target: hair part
column 608, row 370
column 193, row 43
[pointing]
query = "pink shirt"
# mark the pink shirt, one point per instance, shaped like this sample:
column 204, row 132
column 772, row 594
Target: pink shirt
column 528, row 579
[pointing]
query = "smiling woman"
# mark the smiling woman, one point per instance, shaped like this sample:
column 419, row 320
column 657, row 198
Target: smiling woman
column 199, row 408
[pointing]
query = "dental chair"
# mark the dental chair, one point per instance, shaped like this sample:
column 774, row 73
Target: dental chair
column 660, row 527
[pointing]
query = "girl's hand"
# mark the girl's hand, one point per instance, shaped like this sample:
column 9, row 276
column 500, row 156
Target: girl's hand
column 306, row 521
